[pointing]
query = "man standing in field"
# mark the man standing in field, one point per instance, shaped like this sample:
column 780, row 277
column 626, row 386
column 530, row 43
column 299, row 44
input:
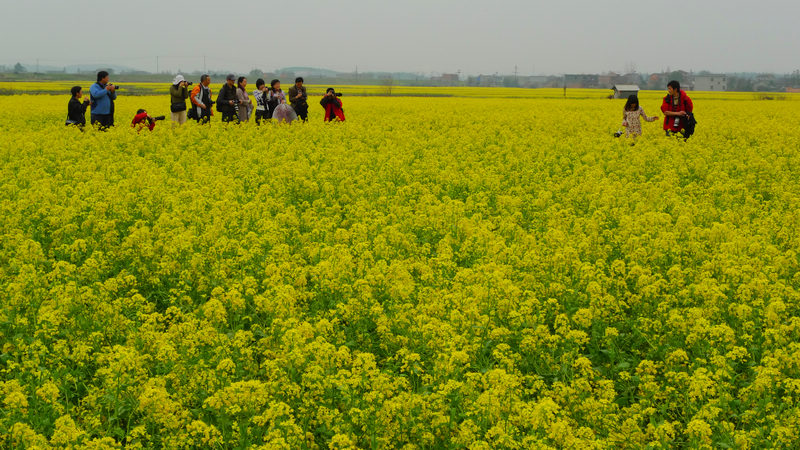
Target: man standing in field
column 298, row 98
column 201, row 100
column 227, row 98
column 676, row 108
column 103, row 95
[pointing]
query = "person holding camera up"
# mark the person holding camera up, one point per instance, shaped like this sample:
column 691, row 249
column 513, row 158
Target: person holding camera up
column 103, row 95
column 333, row 106
column 228, row 100
column 76, row 110
column 201, row 101
column 178, row 94
column 142, row 119
column 262, row 108
column 299, row 99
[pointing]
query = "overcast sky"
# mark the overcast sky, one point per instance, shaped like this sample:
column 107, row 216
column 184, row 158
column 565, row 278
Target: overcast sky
column 553, row 37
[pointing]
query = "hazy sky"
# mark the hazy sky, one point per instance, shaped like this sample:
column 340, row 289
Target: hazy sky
column 552, row 37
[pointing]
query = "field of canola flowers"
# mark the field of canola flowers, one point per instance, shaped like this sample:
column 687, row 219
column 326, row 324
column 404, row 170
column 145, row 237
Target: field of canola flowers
column 433, row 273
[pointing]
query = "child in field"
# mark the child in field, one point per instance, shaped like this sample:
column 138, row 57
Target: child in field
column 630, row 117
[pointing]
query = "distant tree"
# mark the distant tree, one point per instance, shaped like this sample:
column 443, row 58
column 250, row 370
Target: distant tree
column 510, row 81
column 387, row 84
column 794, row 79
column 740, row 84
column 19, row 68
column 255, row 74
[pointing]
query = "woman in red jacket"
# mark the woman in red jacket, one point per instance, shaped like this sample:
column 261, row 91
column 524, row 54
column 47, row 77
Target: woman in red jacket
column 676, row 107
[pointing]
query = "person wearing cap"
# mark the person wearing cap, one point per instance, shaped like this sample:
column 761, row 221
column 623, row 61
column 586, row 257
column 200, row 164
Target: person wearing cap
column 227, row 100
column 333, row 106
column 298, row 98
column 178, row 93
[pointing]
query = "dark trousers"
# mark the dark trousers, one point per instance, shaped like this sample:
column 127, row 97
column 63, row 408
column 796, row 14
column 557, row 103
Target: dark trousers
column 302, row 111
column 103, row 120
column 230, row 116
column 263, row 115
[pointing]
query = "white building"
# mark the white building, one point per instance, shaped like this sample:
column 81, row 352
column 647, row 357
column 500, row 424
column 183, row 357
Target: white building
column 710, row 83
column 625, row 90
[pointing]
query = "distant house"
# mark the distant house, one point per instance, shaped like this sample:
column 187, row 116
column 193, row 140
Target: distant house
column 710, row 83
column 625, row 90
column 447, row 79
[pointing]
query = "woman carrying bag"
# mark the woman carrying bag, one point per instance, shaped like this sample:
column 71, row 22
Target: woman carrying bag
column 178, row 94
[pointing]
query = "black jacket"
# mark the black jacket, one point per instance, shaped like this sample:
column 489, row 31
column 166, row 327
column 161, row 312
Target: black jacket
column 226, row 94
column 76, row 111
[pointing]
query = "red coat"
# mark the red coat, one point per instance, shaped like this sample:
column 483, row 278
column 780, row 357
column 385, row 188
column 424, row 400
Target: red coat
column 685, row 104
column 336, row 106
column 141, row 120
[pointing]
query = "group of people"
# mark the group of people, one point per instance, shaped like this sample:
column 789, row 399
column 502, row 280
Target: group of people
column 233, row 103
column 678, row 114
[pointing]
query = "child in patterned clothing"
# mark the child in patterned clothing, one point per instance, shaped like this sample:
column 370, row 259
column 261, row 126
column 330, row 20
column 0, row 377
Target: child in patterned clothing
column 630, row 117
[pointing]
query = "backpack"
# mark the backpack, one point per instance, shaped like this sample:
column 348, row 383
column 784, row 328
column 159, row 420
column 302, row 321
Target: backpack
column 690, row 123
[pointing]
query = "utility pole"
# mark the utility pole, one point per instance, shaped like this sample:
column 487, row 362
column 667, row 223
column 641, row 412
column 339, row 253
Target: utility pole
column 156, row 64
column 516, row 80
column 204, row 64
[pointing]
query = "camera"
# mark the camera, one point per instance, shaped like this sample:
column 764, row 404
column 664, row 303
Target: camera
column 338, row 94
column 618, row 134
column 188, row 83
column 159, row 117
column 115, row 86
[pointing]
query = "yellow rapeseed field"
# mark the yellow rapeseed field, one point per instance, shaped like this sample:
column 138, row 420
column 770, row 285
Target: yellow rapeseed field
column 469, row 272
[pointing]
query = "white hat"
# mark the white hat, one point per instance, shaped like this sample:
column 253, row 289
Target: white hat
column 178, row 79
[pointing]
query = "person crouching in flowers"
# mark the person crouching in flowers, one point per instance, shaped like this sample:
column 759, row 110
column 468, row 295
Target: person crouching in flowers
column 631, row 115
column 142, row 119
column 333, row 106
column 76, row 110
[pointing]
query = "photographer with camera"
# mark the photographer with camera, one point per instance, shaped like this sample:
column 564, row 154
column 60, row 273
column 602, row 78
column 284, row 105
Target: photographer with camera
column 201, row 101
column 677, row 108
column 261, row 93
column 178, row 94
column 333, row 106
column 142, row 119
column 299, row 99
column 228, row 100
column 76, row 108
column 103, row 95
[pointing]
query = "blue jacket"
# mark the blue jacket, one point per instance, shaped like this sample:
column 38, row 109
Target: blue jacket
column 101, row 99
